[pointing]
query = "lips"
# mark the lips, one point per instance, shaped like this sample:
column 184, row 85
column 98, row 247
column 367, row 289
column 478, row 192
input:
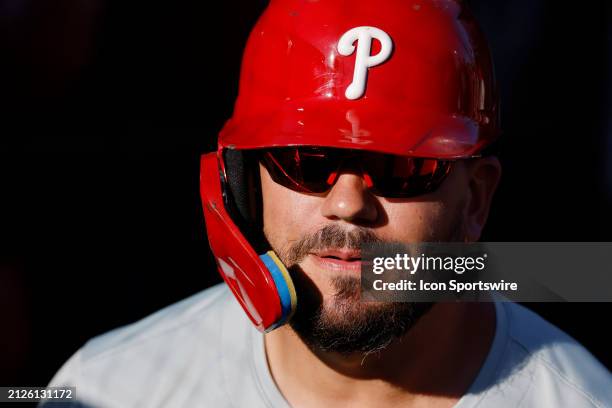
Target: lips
column 338, row 259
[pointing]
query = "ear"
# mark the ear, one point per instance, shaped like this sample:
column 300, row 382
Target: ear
column 484, row 175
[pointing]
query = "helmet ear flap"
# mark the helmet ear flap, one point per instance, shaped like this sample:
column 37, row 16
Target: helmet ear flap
column 243, row 195
column 257, row 278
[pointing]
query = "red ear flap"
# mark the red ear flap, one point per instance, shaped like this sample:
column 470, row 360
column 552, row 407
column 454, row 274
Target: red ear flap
column 241, row 267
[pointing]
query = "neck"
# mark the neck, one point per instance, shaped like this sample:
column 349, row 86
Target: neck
column 433, row 364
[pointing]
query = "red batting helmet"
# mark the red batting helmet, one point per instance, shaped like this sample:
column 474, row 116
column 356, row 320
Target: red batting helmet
column 409, row 78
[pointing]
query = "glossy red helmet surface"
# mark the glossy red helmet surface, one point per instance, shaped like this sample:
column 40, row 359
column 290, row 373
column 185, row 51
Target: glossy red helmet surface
column 395, row 76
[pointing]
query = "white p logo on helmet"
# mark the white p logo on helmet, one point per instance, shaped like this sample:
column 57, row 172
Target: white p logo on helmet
column 363, row 35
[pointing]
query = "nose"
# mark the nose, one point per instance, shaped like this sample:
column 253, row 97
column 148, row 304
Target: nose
column 350, row 200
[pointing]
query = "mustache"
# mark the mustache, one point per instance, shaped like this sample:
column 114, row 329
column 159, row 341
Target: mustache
column 330, row 236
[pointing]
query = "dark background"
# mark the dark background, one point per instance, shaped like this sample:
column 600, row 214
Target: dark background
column 106, row 106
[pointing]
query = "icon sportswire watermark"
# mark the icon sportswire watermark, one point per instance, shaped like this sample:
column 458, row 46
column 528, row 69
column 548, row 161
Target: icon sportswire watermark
column 519, row 271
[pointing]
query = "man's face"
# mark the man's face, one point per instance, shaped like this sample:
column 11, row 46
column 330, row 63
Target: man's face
column 318, row 237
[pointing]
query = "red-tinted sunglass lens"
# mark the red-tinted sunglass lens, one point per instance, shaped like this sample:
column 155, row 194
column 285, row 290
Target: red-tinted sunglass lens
column 314, row 170
column 302, row 169
column 403, row 177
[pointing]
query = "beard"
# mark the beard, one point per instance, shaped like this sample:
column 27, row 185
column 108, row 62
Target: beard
column 343, row 324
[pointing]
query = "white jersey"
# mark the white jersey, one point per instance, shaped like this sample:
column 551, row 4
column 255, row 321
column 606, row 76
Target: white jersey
column 204, row 352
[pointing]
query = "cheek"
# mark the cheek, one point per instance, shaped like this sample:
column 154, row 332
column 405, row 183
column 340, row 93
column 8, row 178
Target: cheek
column 424, row 221
column 414, row 221
column 435, row 217
column 285, row 212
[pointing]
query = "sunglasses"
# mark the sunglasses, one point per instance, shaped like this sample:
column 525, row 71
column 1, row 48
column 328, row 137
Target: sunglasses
column 316, row 170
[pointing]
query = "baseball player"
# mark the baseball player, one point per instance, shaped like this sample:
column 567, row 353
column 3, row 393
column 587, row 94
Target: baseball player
column 356, row 122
